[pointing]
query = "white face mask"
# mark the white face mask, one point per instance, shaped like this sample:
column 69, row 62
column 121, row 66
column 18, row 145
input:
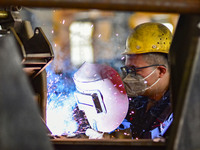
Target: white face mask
column 136, row 85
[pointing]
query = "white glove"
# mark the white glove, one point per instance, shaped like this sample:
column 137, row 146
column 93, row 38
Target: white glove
column 92, row 134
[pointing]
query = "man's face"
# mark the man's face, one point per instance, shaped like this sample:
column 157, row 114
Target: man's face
column 138, row 61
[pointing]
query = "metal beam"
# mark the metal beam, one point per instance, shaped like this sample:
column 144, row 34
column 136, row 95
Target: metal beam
column 185, row 72
column 170, row 6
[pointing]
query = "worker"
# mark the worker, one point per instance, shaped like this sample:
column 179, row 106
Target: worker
column 146, row 80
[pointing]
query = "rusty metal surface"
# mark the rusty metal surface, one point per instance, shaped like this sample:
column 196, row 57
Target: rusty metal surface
column 63, row 143
column 171, row 6
column 84, row 141
column 106, row 147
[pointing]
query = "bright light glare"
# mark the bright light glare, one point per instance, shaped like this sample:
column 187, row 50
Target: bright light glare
column 0, row 29
column 60, row 104
column 169, row 26
column 81, row 42
column 59, row 119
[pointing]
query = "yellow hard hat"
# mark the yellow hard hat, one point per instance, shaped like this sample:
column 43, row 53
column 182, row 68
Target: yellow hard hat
column 147, row 38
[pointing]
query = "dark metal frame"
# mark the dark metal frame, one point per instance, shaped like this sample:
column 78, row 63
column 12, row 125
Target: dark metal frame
column 173, row 6
column 185, row 84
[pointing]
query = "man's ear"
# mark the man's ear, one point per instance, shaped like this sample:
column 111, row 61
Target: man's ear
column 163, row 71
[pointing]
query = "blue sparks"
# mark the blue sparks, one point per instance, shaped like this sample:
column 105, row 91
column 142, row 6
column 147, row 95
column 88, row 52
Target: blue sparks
column 60, row 103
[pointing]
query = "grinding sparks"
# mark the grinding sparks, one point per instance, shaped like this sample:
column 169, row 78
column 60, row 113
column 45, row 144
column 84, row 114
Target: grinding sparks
column 60, row 104
column 123, row 58
column 120, row 85
column 131, row 113
column 63, row 22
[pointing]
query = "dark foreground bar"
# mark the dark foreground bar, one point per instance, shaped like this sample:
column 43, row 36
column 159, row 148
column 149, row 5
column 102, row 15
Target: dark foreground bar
column 172, row 6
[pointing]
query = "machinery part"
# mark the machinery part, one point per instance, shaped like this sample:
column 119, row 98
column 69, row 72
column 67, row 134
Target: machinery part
column 21, row 126
column 34, row 47
column 9, row 18
column 36, row 52
column 3, row 14
column 39, row 85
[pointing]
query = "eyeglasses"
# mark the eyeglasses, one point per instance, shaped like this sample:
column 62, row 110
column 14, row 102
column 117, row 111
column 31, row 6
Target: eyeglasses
column 131, row 69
